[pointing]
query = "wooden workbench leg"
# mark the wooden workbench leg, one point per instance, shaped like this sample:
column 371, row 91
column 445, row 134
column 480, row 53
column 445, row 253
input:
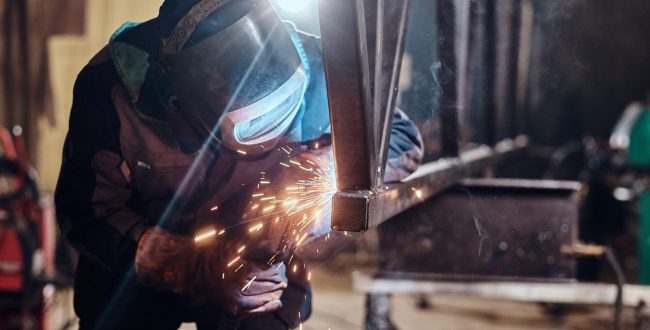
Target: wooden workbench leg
column 378, row 312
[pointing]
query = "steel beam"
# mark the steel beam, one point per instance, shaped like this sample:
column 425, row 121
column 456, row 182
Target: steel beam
column 360, row 210
column 345, row 54
column 391, row 23
column 363, row 42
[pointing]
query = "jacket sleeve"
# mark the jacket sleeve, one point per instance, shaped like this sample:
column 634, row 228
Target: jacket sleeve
column 405, row 151
column 93, row 190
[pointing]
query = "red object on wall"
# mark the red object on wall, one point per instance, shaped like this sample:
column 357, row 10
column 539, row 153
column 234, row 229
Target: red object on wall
column 11, row 262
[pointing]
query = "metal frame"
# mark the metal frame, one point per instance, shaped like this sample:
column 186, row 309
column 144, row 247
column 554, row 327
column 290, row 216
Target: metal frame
column 378, row 292
column 360, row 210
column 363, row 42
column 561, row 293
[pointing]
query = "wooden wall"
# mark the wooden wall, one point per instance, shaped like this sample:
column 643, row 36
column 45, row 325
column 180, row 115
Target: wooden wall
column 67, row 55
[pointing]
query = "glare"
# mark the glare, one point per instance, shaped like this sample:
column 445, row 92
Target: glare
column 292, row 6
column 623, row 194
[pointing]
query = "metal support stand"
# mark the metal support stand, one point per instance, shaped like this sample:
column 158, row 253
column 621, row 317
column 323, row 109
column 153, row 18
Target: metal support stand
column 643, row 317
column 378, row 312
column 378, row 291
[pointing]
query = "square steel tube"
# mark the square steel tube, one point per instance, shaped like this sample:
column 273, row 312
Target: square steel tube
column 345, row 54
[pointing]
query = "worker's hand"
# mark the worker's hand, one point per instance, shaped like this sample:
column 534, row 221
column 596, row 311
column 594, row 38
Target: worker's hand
column 259, row 291
column 210, row 269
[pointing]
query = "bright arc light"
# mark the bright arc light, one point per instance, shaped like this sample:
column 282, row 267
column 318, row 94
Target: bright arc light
column 292, row 6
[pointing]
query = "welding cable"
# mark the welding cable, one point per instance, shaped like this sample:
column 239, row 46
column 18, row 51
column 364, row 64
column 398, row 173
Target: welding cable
column 620, row 282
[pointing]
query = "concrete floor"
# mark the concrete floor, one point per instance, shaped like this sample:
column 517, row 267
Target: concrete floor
column 337, row 307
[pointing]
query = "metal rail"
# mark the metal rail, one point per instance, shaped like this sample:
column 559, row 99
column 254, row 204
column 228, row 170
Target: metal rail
column 569, row 293
column 360, row 210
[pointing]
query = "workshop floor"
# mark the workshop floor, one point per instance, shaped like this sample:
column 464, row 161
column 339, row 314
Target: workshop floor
column 337, row 307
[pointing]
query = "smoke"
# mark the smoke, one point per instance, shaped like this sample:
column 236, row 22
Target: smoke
column 554, row 10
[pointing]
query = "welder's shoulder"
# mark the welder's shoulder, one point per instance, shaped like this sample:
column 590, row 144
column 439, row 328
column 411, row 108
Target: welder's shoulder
column 92, row 105
column 98, row 74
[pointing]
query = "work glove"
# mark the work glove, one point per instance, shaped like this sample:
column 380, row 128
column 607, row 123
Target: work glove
column 210, row 268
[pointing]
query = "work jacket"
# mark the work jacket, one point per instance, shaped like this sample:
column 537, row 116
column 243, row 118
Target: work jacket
column 121, row 167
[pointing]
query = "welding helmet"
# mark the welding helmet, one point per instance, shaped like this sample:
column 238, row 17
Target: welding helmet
column 241, row 87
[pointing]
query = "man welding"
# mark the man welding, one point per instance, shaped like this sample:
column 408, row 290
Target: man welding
column 170, row 126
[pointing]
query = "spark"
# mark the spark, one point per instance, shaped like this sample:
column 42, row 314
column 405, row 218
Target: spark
column 214, row 208
column 270, row 262
column 248, row 285
column 241, row 152
column 241, row 249
column 204, row 236
column 309, row 276
column 238, row 268
column 302, row 239
column 257, row 227
column 223, row 231
column 233, row 261
column 296, row 205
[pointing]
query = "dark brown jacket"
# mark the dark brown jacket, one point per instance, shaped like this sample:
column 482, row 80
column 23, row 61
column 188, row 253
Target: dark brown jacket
column 120, row 170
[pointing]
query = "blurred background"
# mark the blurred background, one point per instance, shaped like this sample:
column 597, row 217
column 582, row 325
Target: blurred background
column 566, row 72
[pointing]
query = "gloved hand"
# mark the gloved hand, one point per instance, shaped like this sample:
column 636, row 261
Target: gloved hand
column 259, row 291
column 210, row 269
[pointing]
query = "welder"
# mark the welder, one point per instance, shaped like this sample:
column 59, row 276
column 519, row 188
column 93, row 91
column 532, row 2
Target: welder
column 170, row 124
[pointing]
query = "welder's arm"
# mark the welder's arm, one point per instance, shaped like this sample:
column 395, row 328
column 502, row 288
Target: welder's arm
column 93, row 197
column 405, row 150
column 92, row 192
